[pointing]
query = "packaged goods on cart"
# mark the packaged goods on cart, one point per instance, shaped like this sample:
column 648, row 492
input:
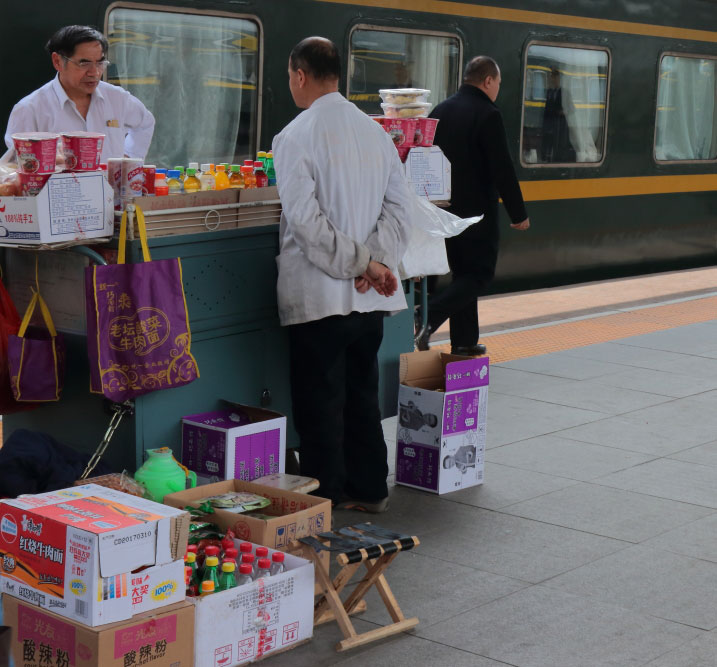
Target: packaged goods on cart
column 404, row 95
column 411, row 110
column 91, row 553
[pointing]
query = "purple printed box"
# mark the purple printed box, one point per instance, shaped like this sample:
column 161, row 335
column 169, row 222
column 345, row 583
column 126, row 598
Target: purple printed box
column 238, row 442
column 442, row 419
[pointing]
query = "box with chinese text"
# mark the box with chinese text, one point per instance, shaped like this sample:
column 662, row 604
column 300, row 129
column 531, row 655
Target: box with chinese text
column 442, row 419
column 249, row 622
column 70, row 207
column 238, row 442
column 40, row 638
column 74, row 552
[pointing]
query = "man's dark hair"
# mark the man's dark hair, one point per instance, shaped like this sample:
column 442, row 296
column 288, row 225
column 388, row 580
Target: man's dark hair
column 318, row 57
column 66, row 39
column 479, row 69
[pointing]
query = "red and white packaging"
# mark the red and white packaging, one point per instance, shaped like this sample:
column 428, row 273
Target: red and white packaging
column 82, row 150
column 114, row 177
column 36, row 152
column 31, row 184
column 150, row 174
column 132, row 179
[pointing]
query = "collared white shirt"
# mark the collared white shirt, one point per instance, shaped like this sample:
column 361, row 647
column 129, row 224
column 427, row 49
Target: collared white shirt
column 344, row 200
column 126, row 123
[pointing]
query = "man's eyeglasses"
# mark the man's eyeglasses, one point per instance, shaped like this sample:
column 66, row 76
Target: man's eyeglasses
column 89, row 64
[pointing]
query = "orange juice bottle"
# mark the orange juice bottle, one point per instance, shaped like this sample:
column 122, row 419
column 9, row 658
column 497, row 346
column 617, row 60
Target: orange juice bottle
column 249, row 178
column 236, row 180
column 191, row 182
column 221, row 179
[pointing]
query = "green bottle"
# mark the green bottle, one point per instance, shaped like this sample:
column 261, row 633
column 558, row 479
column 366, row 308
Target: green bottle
column 269, row 168
column 190, row 559
column 211, row 563
column 227, row 579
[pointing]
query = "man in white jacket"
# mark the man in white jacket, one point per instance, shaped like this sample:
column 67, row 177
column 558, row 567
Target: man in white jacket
column 343, row 232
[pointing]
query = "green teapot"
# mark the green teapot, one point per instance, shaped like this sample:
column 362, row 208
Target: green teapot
column 161, row 474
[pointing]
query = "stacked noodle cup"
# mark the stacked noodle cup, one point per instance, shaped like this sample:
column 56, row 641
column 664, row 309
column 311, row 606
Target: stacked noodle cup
column 36, row 159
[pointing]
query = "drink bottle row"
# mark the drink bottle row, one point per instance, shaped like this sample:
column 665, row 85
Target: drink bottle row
column 257, row 173
column 204, row 574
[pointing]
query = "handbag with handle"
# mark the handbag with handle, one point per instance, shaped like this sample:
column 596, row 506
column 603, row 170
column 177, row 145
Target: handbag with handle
column 36, row 358
column 137, row 324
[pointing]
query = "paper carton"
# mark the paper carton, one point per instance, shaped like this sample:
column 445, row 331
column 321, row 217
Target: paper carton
column 239, row 442
column 40, row 638
column 290, row 516
column 70, row 207
column 74, row 552
column 442, row 417
column 428, row 171
column 249, row 622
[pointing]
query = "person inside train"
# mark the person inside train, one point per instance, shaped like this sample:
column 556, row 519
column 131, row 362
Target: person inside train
column 555, row 145
column 472, row 136
column 343, row 231
column 77, row 98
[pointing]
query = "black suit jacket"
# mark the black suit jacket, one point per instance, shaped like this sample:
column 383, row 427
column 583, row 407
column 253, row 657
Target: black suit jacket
column 471, row 134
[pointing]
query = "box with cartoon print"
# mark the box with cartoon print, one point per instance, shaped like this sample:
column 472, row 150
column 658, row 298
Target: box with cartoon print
column 442, row 417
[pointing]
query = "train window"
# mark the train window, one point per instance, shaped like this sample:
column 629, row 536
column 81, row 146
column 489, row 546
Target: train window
column 564, row 105
column 398, row 59
column 685, row 117
column 197, row 74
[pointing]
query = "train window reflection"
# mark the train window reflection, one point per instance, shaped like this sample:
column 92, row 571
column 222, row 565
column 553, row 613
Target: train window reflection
column 396, row 59
column 685, row 118
column 197, row 74
column 564, row 103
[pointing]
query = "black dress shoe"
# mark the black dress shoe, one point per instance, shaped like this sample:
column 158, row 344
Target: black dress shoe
column 469, row 350
column 423, row 337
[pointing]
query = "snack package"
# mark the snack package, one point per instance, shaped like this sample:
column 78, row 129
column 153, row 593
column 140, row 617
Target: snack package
column 404, row 95
column 415, row 110
column 237, row 501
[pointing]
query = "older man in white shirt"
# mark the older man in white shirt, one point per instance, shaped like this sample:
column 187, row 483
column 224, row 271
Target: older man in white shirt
column 77, row 99
column 343, row 231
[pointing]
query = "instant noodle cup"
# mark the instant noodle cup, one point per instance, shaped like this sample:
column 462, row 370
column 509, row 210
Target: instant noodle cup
column 404, row 95
column 425, row 131
column 31, row 184
column 406, row 110
column 82, row 150
column 402, row 130
column 36, row 152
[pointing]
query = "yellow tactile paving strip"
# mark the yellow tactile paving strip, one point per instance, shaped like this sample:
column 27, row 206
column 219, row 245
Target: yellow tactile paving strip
column 601, row 329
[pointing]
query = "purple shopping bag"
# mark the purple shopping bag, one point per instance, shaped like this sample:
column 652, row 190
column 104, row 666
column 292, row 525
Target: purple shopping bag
column 137, row 324
column 36, row 358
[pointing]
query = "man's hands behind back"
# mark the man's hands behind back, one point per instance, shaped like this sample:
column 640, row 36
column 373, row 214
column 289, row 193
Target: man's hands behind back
column 378, row 276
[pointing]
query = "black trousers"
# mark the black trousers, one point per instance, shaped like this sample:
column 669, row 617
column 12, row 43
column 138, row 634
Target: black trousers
column 472, row 257
column 334, row 390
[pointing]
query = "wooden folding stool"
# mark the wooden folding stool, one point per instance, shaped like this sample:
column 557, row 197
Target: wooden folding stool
column 376, row 548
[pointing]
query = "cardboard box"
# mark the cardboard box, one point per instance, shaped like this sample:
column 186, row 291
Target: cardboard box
column 40, row 638
column 249, row 622
column 223, row 444
column 73, row 551
column 291, row 515
column 70, row 207
column 442, row 419
column 428, row 171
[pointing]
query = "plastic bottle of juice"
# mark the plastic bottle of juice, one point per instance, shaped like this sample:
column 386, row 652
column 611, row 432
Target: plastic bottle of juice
column 211, row 563
column 207, row 178
column 221, row 179
column 174, row 182
column 208, row 587
column 249, row 180
column 270, row 171
column 227, row 579
column 262, row 180
column 261, row 157
column 193, row 165
column 180, row 169
column 191, row 182
column 236, row 180
column 160, row 185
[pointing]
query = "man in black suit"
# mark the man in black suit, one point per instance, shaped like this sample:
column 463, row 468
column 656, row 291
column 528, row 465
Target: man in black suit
column 472, row 136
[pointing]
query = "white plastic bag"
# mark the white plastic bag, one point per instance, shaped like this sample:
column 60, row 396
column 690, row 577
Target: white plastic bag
column 426, row 252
